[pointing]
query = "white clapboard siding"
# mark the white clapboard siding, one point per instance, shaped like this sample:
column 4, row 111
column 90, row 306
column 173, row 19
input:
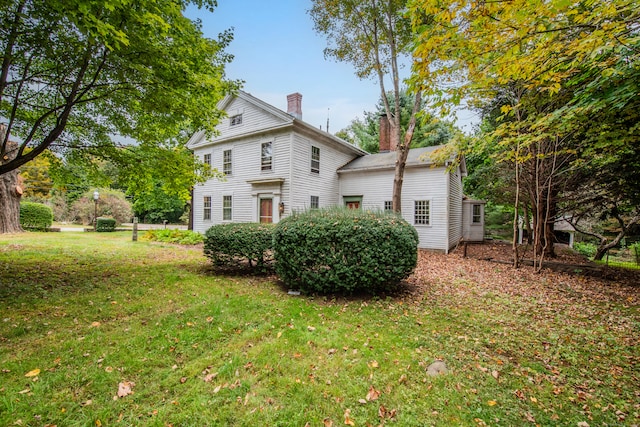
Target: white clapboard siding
column 422, row 183
column 305, row 183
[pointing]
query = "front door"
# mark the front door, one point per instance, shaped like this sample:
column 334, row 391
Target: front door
column 353, row 205
column 266, row 210
column 352, row 202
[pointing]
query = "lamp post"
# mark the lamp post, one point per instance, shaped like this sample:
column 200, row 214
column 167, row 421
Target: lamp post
column 96, row 196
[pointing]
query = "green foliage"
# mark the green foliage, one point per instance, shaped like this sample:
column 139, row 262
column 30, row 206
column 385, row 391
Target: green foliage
column 344, row 251
column 89, row 70
column 585, row 248
column 226, row 244
column 35, row 216
column 111, row 203
column 105, row 224
column 181, row 237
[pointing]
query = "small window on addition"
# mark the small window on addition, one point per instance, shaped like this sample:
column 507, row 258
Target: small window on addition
column 388, row 206
column 421, row 212
column 315, row 202
column 476, row 214
column 235, row 120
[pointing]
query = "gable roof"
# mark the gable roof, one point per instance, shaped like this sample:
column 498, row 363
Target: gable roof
column 417, row 157
column 199, row 139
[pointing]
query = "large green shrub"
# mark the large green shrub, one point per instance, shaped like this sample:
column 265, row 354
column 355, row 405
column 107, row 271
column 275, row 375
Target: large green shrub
column 343, row 251
column 35, row 216
column 226, row 244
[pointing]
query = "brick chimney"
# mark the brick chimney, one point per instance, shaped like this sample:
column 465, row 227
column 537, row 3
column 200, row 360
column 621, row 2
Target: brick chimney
column 385, row 134
column 294, row 105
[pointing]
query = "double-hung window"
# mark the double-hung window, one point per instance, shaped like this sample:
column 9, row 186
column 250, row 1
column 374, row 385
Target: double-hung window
column 315, row 159
column 315, row 202
column 206, row 212
column 266, row 157
column 226, row 162
column 421, row 213
column 476, row 215
column 207, row 159
column 227, row 206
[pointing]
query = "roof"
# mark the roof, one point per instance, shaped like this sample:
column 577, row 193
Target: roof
column 198, row 138
column 417, row 157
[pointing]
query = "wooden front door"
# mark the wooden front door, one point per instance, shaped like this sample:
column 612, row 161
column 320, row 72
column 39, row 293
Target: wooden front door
column 266, row 210
column 353, row 205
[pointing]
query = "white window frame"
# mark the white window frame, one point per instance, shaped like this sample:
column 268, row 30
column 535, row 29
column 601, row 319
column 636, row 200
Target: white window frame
column 388, row 205
column 314, row 202
column 266, row 163
column 206, row 208
column 235, row 120
column 206, row 159
column 422, row 214
column 227, row 164
column 227, row 208
column 315, row 159
column 476, row 218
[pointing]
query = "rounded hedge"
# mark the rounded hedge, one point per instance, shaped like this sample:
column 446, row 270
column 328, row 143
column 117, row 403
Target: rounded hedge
column 344, row 251
column 35, row 216
column 225, row 244
column 105, row 224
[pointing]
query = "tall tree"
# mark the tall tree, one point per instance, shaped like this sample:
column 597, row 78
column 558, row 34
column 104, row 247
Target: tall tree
column 374, row 36
column 574, row 62
column 76, row 72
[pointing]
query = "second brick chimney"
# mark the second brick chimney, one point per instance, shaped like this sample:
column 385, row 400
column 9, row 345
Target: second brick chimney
column 385, row 134
column 294, row 105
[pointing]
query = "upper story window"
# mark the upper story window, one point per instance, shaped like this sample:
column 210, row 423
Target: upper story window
column 315, row 159
column 266, row 159
column 206, row 212
column 207, row 159
column 476, row 215
column 226, row 162
column 235, row 120
column 421, row 214
column 315, row 202
column 388, row 205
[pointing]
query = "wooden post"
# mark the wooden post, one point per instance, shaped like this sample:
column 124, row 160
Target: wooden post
column 134, row 237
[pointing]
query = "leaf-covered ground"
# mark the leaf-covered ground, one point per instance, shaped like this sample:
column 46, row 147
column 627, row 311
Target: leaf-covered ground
column 98, row 330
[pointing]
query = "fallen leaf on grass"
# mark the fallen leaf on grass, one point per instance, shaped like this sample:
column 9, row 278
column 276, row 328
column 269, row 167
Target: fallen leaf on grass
column 95, row 324
column 327, row 422
column 32, row 373
column 373, row 394
column 373, row 364
column 492, row 403
column 125, row 388
column 347, row 418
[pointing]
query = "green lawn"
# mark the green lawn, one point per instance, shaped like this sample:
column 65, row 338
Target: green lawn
column 82, row 313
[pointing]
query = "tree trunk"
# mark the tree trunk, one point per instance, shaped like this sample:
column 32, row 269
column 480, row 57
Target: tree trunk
column 10, row 193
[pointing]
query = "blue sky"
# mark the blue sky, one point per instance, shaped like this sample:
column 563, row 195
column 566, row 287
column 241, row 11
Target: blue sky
column 277, row 52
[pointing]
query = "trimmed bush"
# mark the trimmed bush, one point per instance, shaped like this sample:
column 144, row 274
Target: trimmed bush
column 344, row 251
column 180, row 237
column 226, row 244
column 105, row 224
column 35, row 216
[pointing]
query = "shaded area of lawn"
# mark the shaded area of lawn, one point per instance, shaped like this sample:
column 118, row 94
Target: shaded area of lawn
column 93, row 311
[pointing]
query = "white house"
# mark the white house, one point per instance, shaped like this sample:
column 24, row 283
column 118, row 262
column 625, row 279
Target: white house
column 276, row 164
